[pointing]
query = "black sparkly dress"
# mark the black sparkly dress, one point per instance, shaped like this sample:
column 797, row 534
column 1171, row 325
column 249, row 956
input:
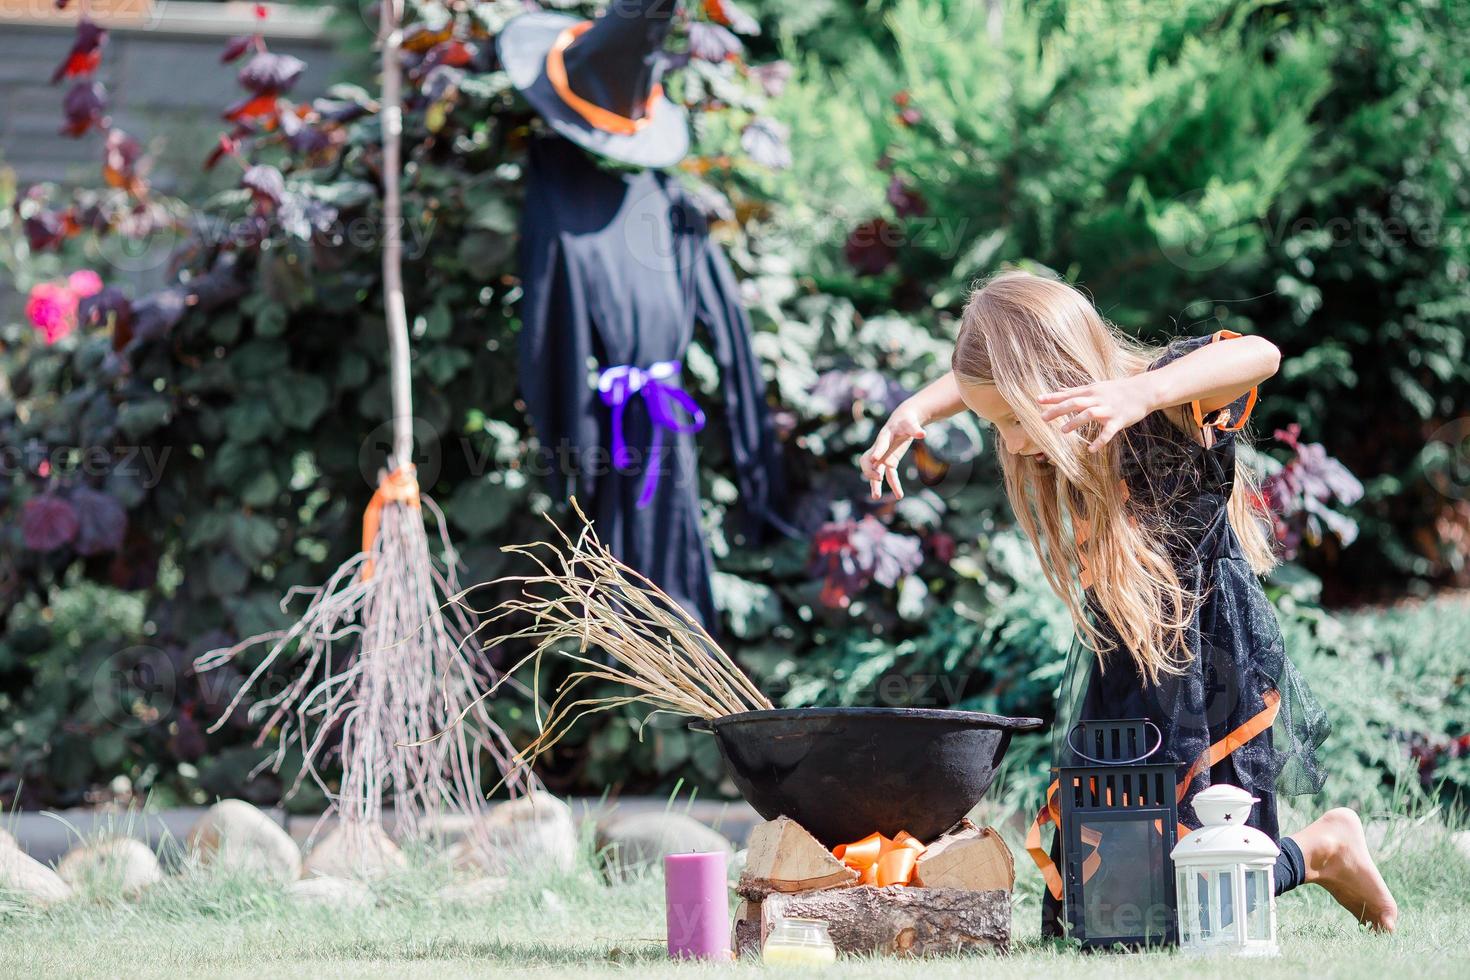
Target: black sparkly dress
column 1240, row 714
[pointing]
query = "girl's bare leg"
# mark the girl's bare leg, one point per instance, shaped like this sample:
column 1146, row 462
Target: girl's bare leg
column 1336, row 855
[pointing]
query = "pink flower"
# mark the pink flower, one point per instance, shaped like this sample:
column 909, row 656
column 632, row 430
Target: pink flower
column 52, row 309
column 84, row 282
column 52, row 306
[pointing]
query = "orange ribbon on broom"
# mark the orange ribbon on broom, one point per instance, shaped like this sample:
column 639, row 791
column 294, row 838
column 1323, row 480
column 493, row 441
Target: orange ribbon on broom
column 882, row 861
column 399, row 487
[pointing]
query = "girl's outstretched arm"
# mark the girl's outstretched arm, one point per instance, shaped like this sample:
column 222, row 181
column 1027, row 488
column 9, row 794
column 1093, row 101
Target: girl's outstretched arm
column 935, row 401
column 1214, row 375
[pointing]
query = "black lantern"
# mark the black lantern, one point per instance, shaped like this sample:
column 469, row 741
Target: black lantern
column 1119, row 820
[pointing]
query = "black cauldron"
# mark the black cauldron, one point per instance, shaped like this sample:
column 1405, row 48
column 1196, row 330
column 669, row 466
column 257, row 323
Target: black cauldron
column 843, row 773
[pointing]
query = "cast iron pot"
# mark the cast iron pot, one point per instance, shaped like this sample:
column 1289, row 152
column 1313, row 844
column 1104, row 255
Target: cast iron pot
column 843, row 773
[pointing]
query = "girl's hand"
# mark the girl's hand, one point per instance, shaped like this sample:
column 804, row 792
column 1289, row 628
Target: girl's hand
column 1113, row 405
column 880, row 462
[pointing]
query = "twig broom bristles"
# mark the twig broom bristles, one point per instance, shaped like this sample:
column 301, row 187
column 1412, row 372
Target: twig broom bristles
column 584, row 599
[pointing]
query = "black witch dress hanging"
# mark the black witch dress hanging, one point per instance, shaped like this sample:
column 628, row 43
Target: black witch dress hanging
column 1240, row 713
column 617, row 270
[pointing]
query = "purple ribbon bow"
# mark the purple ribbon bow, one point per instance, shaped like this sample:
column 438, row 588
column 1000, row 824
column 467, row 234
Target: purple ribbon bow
column 662, row 393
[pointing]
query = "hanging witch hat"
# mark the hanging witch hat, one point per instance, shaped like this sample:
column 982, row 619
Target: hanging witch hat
column 596, row 82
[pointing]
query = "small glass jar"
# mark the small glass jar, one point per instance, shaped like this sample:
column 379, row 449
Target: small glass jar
column 799, row 942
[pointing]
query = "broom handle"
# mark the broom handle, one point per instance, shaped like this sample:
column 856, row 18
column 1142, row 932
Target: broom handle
column 390, row 34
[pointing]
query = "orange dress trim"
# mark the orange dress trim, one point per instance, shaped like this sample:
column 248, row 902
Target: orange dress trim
column 1225, row 423
column 595, row 115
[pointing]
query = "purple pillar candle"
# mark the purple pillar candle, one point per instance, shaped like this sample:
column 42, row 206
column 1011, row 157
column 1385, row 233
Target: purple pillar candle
column 698, row 904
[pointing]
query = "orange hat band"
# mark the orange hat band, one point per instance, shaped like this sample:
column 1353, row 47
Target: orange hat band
column 595, row 115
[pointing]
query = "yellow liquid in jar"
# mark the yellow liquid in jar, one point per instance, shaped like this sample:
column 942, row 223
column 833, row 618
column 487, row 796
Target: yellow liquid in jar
column 798, row 954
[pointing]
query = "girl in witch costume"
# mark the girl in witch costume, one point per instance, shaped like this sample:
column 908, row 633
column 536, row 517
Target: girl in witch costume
column 1120, row 464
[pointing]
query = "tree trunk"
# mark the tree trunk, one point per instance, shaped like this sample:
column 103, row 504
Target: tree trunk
column 901, row 920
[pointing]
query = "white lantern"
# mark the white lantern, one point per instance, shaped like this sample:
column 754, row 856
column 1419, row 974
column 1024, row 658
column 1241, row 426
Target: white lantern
column 1225, row 871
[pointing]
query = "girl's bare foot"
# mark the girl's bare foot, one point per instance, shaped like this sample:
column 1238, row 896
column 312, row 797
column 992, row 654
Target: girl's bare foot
column 1336, row 855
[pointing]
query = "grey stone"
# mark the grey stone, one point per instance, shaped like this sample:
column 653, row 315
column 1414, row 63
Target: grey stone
column 355, row 851
column 473, row 891
column 234, row 836
column 30, row 880
column 119, row 865
column 535, row 831
column 330, row 891
column 639, row 840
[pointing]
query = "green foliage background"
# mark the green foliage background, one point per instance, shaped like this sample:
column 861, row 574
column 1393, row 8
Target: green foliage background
column 1292, row 169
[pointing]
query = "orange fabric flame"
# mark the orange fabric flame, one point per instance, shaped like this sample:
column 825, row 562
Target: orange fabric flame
column 399, row 487
column 881, row 861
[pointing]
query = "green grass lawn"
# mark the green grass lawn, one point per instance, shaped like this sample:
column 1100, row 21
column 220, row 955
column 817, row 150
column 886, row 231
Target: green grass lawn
column 575, row 924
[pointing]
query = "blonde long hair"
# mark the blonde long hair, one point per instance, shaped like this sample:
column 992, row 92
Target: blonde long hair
column 1026, row 335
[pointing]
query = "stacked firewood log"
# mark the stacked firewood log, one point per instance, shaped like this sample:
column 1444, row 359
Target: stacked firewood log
column 959, row 898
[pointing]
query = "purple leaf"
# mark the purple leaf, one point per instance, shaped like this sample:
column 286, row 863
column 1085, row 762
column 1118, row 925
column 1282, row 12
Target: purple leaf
column 772, row 77
column 101, row 521
column 271, row 74
column 906, row 201
column 765, row 140
column 48, row 522
column 109, row 303
column 871, row 247
column 303, row 138
column 84, row 106
column 440, row 81
column 154, row 315
column 842, row 389
column 266, row 185
column 711, row 42
column 727, row 12
column 235, row 47
column 340, row 110
column 45, row 230
column 85, row 54
column 888, row 556
column 850, row 554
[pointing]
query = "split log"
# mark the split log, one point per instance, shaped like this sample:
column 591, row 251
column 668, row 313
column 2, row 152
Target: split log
column 784, row 858
column 967, row 857
column 745, row 937
column 901, row 920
